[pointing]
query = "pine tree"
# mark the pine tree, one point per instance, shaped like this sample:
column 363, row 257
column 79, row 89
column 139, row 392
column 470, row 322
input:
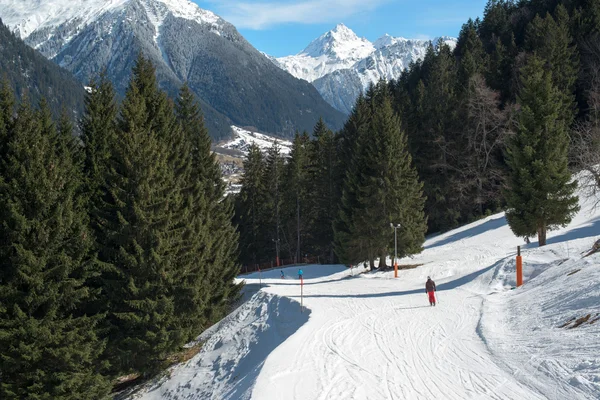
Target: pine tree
column 348, row 246
column 323, row 194
column 470, row 53
column 296, row 186
column 211, row 237
column 49, row 346
column 438, row 152
column 141, row 230
column 540, row 195
column 98, row 133
column 6, row 115
column 273, row 184
column 551, row 40
column 250, row 209
column 381, row 187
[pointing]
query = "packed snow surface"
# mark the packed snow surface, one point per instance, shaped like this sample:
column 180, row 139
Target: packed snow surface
column 243, row 138
column 370, row 336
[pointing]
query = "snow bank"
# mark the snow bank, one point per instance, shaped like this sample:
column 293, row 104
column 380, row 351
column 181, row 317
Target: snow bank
column 234, row 352
column 528, row 328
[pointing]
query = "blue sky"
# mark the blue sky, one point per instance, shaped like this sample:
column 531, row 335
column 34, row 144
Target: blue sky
column 285, row 27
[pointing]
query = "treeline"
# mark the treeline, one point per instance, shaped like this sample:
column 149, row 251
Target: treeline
column 336, row 195
column 490, row 124
column 496, row 124
column 116, row 249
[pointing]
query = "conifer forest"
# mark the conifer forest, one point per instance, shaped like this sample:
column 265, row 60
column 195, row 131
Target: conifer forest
column 119, row 244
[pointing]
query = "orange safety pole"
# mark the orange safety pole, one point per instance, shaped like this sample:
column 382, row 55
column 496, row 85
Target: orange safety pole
column 519, row 267
column 395, row 269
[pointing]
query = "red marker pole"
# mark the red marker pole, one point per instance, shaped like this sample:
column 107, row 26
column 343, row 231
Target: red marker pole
column 519, row 267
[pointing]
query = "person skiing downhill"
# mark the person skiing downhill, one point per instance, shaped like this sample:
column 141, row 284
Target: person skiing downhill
column 300, row 273
column 430, row 290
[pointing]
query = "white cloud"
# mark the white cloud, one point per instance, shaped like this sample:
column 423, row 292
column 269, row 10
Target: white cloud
column 261, row 15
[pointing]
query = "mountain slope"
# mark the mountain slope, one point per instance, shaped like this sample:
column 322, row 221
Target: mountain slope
column 341, row 65
column 236, row 84
column 370, row 336
column 29, row 72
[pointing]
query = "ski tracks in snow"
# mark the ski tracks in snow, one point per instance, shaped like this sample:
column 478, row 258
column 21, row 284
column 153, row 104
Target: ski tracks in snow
column 391, row 345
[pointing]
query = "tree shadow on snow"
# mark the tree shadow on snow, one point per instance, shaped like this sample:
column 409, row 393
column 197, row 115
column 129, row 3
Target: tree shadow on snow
column 441, row 287
column 590, row 230
column 474, row 231
column 254, row 331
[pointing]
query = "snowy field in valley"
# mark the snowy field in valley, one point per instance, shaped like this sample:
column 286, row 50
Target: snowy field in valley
column 243, row 139
column 370, row 336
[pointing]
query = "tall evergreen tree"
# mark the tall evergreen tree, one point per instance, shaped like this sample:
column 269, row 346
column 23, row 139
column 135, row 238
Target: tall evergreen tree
column 551, row 40
column 49, row 349
column 273, row 184
column 438, row 153
column 323, row 194
column 251, row 208
column 540, row 196
column 295, row 204
column 349, row 247
column 98, row 133
column 141, row 230
column 470, row 53
column 212, row 257
column 382, row 187
column 7, row 104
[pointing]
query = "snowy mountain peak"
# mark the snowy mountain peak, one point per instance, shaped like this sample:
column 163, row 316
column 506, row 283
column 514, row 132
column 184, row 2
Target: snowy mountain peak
column 387, row 40
column 25, row 17
column 342, row 32
column 340, row 43
column 341, row 65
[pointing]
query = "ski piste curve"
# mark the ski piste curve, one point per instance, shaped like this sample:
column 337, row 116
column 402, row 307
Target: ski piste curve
column 370, row 336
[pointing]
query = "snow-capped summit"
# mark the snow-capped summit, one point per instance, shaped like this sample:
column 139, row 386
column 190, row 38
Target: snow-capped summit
column 340, row 43
column 185, row 43
column 59, row 21
column 387, row 40
column 341, row 65
column 337, row 49
column 27, row 16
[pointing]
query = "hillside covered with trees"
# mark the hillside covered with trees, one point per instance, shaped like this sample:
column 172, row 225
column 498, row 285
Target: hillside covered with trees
column 30, row 74
column 498, row 123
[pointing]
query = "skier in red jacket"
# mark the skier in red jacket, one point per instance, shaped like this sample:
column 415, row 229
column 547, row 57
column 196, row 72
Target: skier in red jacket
column 430, row 290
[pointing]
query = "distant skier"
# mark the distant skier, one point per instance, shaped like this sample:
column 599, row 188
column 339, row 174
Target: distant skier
column 300, row 274
column 430, row 290
column 282, row 275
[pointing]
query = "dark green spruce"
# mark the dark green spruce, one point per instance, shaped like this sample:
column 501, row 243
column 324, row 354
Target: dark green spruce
column 49, row 348
column 250, row 214
column 540, row 195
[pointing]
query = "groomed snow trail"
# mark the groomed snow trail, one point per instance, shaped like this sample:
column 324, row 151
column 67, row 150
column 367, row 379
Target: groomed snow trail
column 370, row 336
column 379, row 339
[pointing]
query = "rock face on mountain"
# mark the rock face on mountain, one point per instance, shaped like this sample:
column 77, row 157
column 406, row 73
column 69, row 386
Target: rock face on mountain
column 341, row 65
column 30, row 73
column 235, row 83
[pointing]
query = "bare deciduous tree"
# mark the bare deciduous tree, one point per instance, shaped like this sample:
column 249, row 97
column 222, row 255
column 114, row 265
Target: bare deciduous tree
column 484, row 134
column 585, row 141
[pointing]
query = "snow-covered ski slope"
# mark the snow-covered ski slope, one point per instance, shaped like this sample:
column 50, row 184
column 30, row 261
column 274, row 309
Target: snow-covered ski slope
column 370, row 336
